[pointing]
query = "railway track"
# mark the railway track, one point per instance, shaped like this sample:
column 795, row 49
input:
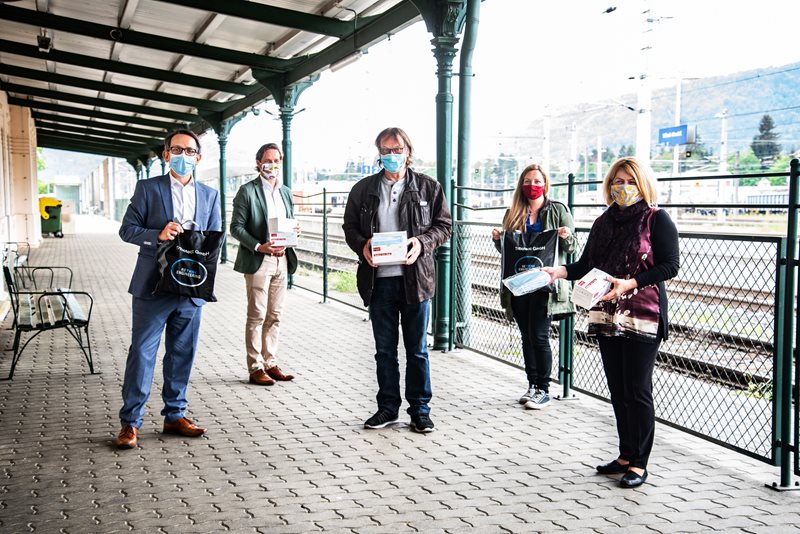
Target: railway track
column 697, row 294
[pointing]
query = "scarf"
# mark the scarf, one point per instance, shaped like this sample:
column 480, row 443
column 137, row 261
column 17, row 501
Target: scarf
column 615, row 239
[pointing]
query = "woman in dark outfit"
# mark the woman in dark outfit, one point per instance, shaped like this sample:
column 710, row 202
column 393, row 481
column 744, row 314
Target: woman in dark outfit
column 637, row 245
column 532, row 211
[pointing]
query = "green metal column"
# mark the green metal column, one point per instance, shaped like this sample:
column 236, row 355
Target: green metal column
column 222, row 127
column 462, row 240
column 445, row 20
column 566, row 328
column 285, row 96
column 445, row 51
column 137, row 167
column 287, row 114
column 222, row 141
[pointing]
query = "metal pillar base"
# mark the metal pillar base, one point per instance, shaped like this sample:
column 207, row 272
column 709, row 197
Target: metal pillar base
column 777, row 487
column 571, row 397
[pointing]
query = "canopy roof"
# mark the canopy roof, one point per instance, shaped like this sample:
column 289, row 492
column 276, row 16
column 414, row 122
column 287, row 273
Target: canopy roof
column 112, row 77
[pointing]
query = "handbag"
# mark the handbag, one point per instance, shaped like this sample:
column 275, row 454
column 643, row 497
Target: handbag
column 525, row 251
column 188, row 264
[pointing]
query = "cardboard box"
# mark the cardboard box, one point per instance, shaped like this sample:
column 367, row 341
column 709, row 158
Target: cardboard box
column 282, row 232
column 590, row 289
column 389, row 248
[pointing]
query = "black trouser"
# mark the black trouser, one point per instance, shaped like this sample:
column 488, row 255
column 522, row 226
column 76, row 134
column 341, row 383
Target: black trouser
column 629, row 371
column 530, row 312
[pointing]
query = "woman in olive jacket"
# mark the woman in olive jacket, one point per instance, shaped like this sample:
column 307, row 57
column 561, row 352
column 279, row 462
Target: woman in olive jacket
column 532, row 211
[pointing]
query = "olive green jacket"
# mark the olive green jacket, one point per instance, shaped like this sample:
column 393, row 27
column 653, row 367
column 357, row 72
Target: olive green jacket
column 553, row 215
column 249, row 226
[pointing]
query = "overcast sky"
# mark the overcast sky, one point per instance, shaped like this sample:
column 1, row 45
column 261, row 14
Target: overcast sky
column 556, row 54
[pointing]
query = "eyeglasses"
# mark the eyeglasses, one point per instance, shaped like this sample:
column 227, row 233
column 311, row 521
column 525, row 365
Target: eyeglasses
column 178, row 150
column 393, row 150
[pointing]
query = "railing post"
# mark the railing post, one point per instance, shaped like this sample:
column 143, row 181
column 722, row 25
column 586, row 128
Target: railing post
column 794, row 178
column 454, row 265
column 566, row 328
column 324, row 245
column 782, row 368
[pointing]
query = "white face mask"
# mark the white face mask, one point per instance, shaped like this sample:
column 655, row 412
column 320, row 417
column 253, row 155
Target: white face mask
column 271, row 170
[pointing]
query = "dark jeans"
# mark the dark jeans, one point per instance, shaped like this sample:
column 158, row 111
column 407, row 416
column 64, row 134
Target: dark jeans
column 629, row 371
column 387, row 309
column 530, row 312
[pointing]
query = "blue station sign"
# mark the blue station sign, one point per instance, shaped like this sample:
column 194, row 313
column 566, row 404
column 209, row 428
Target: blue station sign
column 674, row 135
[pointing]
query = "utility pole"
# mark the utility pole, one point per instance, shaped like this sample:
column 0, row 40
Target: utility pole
column 723, row 142
column 676, row 148
column 599, row 158
column 546, row 142
column 644, row 98
column 573, row 149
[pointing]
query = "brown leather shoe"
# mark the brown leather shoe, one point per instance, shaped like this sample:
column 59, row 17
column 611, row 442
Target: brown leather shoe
column 183, row 427
column 128, row 437
column 260, row 378
column 277, row 374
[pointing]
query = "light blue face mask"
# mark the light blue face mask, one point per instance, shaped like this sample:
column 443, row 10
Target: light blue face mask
column 393, row 162
column 182, row 165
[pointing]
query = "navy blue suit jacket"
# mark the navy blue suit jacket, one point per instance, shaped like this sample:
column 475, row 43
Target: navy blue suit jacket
column 148, row 213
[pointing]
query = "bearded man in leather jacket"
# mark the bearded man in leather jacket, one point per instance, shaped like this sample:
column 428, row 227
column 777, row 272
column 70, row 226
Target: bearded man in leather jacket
column 398, row 199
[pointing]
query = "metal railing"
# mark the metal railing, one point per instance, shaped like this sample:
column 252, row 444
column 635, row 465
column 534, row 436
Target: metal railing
column 319, row 253
column 724, row 374
column 727, row 373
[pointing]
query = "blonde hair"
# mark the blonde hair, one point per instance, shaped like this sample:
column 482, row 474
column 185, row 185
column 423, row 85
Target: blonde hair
column 518, row 211
column 642, row 175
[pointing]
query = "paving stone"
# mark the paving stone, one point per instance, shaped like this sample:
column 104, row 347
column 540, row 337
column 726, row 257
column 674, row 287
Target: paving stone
column 277, row 461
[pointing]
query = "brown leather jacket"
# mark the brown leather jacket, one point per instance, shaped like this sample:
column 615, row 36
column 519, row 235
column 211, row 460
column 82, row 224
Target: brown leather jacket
column 423, row 214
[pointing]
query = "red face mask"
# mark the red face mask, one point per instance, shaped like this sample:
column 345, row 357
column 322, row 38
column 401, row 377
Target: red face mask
column 532, row 192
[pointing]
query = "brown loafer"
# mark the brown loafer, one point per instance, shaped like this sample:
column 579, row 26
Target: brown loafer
column 183, row 427
column 128, row 437
column 277, row 374
column 260, row 378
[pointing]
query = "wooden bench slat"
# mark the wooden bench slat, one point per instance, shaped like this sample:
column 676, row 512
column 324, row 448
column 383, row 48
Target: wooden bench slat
column 76, row 313
column 27, row 312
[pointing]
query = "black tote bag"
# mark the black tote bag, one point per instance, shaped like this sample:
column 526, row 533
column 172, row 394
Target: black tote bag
column 188, row 264
column 524, row 251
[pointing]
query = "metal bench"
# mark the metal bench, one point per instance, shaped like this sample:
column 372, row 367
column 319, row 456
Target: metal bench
column 38, row 311
column 16, row 255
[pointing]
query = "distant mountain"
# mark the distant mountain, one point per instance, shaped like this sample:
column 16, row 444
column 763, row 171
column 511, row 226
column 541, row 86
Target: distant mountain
column 747, row 96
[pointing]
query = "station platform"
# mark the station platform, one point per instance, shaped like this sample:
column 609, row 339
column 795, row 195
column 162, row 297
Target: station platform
column 295, row 458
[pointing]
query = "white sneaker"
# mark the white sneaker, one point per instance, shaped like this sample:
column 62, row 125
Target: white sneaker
column 540, row 399
column 528, row 394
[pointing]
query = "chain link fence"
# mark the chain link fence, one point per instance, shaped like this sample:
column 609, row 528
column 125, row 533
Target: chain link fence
column 714, row 375
column 486, row 330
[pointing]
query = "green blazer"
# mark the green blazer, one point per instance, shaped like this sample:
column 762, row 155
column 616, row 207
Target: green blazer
column 249, row 226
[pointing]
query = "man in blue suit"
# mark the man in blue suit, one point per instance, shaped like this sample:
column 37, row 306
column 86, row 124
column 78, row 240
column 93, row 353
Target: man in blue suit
column 160, row 209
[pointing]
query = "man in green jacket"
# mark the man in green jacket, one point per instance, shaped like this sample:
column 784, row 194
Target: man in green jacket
column 257, row 209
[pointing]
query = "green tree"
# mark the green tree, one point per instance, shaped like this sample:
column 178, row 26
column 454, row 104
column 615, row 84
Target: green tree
column 40, row 163
column 625, row 151
column 764, row 144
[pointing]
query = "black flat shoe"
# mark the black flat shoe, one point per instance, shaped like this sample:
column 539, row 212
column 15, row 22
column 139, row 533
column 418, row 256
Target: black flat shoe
column 612, row 468
column 633, row 480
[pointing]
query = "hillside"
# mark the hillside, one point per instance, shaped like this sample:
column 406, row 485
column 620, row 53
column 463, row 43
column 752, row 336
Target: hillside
column 746, row 95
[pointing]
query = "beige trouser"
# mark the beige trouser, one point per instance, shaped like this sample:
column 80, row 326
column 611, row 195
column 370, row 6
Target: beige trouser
column 266, row 289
